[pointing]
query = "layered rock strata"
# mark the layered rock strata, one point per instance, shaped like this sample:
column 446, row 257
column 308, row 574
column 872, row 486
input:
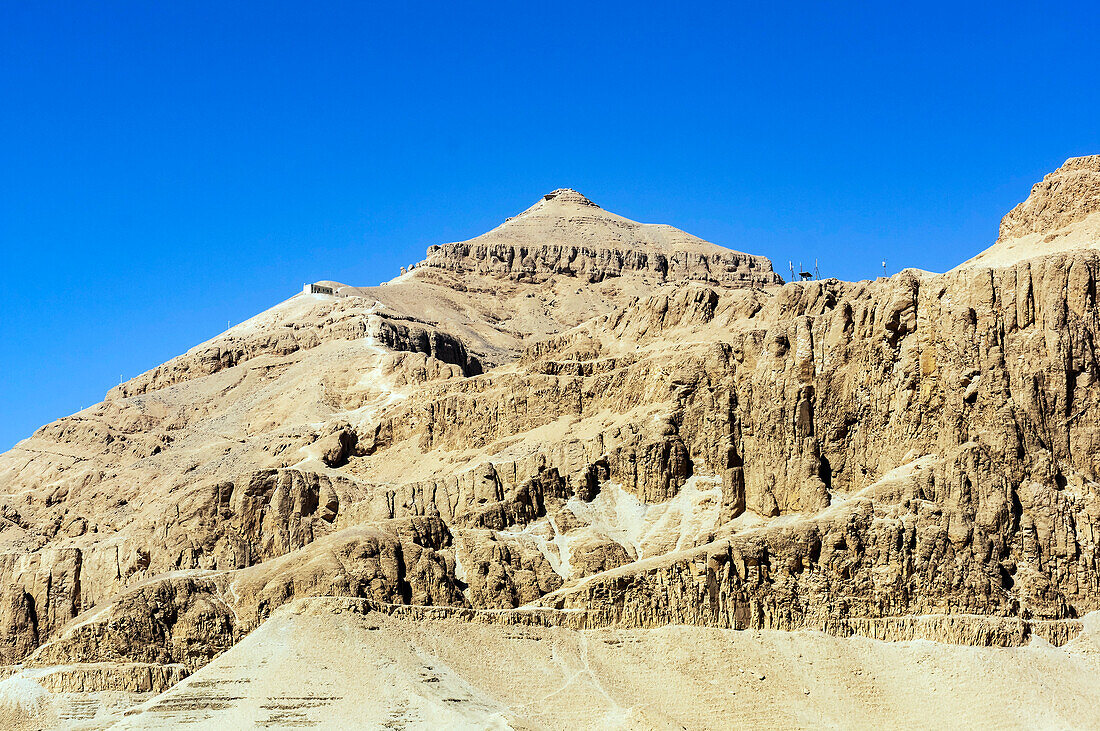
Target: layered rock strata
column 912, row 457
column 567, row 235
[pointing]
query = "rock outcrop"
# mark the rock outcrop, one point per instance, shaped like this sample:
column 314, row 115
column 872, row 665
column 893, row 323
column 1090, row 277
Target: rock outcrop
column 1068, row 195
column 581, row 420
column 1061, row 214
column 567, row 235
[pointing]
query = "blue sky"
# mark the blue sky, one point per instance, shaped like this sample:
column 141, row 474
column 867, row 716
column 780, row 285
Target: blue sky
column 168, row 167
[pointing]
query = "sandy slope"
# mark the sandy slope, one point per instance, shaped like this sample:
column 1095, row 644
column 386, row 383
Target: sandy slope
column 312, row 665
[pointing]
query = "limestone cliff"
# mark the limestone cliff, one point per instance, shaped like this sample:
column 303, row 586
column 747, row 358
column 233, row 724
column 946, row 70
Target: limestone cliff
column 583, row 420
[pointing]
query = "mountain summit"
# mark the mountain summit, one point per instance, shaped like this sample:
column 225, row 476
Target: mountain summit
column 564, row 233
column 565, row 196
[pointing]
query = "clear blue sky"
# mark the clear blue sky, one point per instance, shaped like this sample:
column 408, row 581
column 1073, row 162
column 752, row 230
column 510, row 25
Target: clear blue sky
column 166, row 167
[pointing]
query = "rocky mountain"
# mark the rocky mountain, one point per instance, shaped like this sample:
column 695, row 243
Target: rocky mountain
column 578, row 421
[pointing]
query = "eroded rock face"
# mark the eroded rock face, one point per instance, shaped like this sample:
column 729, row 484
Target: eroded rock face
column 1069, row 194
column 910, row 457
column 595, row 265
column 1061, row 214
column 502, row 573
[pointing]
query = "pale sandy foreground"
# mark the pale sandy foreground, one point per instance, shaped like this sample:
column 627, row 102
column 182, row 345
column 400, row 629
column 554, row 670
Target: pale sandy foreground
column 312, row 667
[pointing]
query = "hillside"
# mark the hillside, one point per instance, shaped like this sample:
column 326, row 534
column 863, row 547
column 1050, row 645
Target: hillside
column 315, row 661
column 589, row 424
column 1061, row 214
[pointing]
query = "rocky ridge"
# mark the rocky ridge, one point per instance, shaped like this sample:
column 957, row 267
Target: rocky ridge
column 577, row 435
column 1061, row 214
column 1068, row 195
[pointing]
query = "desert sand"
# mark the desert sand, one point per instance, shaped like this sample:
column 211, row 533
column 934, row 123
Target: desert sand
column 333, row 663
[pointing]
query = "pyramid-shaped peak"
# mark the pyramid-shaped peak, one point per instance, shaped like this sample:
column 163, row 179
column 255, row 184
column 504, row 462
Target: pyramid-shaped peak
column 564, row 234
column 568, row 195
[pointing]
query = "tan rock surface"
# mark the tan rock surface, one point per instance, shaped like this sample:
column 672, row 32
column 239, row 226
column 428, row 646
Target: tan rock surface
column 565, row 234
column 605, row 424
column 331, row 664
column 1061, row 214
